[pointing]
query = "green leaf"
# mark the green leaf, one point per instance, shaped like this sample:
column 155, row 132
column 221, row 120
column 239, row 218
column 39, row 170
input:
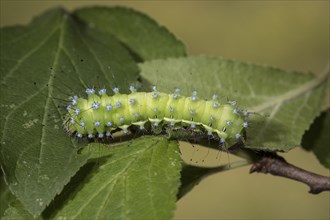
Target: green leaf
column 17, row 211
column 138, row 32
column 6, row 197
column 317, row 138
column 285, row 103
column 41, row 65
column 136, row 180
column 10, row 207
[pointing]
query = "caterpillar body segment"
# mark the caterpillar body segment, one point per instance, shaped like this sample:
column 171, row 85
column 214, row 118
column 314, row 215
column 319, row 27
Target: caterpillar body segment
column 99, row 114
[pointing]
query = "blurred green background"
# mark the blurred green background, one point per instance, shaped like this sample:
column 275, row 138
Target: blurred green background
column 292, row 35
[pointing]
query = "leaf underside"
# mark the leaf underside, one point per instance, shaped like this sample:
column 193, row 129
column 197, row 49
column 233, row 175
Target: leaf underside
column 42, row 64
column 124, row 181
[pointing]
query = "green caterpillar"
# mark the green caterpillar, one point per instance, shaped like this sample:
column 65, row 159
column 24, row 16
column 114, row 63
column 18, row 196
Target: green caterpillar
column 99, row 115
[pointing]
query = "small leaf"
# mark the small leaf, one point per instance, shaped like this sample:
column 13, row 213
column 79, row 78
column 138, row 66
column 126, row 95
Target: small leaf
column 141, row 34
column 137, row 180
column 317, row 138
column 41, row 65
column 285, row 103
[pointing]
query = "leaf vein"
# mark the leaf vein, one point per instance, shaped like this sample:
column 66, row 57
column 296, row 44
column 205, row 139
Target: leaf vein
column 115, row 178
column 93, row 54
column 26, row 56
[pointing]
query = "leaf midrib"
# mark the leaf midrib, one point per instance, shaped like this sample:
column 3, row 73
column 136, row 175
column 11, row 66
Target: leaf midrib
column 292, row 94
column 50, row 91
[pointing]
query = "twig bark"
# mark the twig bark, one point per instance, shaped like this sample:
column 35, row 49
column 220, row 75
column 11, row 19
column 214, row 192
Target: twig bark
column 276, row 165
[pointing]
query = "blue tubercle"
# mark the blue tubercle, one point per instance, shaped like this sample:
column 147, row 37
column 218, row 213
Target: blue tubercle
column 90, row 91
column 102, row 91
column 95, row 105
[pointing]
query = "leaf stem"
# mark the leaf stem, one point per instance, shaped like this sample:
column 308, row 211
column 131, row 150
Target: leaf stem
column 301, row 90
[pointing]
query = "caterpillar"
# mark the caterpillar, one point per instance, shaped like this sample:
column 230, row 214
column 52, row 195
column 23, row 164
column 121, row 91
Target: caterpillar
column 100, row 114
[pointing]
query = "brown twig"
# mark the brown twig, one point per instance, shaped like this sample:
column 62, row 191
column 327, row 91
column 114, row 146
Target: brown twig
column 276, row 165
